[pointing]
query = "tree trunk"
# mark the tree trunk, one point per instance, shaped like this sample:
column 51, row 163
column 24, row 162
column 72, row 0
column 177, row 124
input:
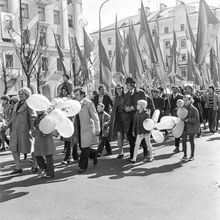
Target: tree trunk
column 28, row 81
column 5, row 82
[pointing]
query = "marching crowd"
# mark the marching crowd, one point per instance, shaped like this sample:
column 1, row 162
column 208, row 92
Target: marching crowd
column 103, row 119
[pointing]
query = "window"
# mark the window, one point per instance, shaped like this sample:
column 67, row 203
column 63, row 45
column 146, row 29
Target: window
column 183, row 43
column 3, row 8
column 167, row 44
column 41, row 14
column 59, row 65
column 183, row 57
column 26, row 36
column 109, row 41
column 110, row 53
column 8, row 60
column 183, row 71
column 70, row 21
column 44, row 63
column 56, row 17
column 182, row 27
column 24, row 10
column 166, row 30
column 57, row 36
column 43, row 38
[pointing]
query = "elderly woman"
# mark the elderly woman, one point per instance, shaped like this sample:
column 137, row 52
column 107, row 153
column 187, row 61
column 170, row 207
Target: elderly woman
column 22, row 122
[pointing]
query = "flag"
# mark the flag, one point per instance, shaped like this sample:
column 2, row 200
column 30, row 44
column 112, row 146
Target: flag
column 88, row 45
column 190, row 74
column 189, row 34
column 208, row 26
column 61, row 57
column 214, row 68
column 105, row 71
column 145, row 38
column 198, row 80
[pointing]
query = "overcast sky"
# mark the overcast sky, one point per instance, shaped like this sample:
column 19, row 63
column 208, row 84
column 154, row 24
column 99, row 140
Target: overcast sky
column 123, row 9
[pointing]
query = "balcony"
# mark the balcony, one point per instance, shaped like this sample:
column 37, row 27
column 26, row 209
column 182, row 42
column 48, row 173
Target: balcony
column 44, row 2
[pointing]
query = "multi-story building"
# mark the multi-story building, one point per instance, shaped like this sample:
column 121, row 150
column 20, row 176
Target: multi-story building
column 163, row 21
column 58, row 16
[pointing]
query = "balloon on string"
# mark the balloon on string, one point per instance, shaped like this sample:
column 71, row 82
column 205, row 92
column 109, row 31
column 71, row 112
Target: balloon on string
column 66, row 128
column 177, row 131
column 57, row 101
column 57, row 116
column 157, row 136
column 148, row 124
column 38, row 102
column 70, row 107
column 165, row 125
column 47, row 125
column 182, row 113
column 165, row 118
column 156, row 115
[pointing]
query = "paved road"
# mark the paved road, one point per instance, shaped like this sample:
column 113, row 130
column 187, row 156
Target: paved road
column 115, row 189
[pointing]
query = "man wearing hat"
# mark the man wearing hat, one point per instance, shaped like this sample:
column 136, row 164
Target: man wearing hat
column 174, row 97
column 130, row 104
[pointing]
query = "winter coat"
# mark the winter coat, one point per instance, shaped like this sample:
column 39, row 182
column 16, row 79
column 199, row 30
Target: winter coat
column 104, row 119
column 44, row 144
column 192, row 126
column 107, row 101
column 215, row 101
column 89, row 123
column 138, row 127
column 173, row 102
column 21, row 140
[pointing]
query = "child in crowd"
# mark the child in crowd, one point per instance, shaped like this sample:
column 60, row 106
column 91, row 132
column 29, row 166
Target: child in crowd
column 104, row 119
column 43, row 146
column 179, row 104
column 140, row 131
column 192, row 127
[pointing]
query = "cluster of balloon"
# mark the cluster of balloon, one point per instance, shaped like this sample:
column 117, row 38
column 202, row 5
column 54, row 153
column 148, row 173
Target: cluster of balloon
column 166, row 123
column 59, row 112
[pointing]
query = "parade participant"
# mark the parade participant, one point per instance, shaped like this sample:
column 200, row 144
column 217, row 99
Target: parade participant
column 89, row 129
column 139, row 130
column 212, row 103
column 43, row 146
column 21, row 140
column 174, row 97
column 159, row 102
column 179, row 104
column 66, row 84
column 104, row 119
column 130, row 104
column 104, row 98
column 191, row 127
column 117, row 118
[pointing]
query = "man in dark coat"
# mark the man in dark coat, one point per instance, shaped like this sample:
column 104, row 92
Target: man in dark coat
column 104, row 98
column 159, row 102
column 174, row 97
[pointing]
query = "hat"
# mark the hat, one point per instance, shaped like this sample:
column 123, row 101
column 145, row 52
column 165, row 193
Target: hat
column 129, row 80
column 212, row 87
column 5, row 97
column 176, row 87
column 189, row 86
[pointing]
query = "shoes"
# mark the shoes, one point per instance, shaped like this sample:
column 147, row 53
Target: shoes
column 16, row 171
column 81, row 170
column 191, row 158
column 99, row 155
column 34, row 169
column 47, row 176
column 132, row 161
column 65, row 162
column 120, row 156
column 176, row 150
column 149, row 159
column 184, row 159
column 95, row 159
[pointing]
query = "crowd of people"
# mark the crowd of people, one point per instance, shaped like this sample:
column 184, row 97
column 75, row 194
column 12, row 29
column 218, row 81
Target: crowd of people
column 103, row 119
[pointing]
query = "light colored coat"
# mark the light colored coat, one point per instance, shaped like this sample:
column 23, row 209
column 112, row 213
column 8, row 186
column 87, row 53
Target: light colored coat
column 21, row 140
column 89, row 123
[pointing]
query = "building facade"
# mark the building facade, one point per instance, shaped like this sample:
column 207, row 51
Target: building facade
column 58, row 16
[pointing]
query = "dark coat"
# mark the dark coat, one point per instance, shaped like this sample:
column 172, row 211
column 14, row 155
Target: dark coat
column 138, row 127
column 107, row 101
column 104, row 119
column 192, row 126
column 173, row 102
column 159, row 103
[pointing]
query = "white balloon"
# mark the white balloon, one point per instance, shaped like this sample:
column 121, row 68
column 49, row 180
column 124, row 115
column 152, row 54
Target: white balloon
column 47, row 125
column 165, row 125
column 148, row 124
column 66, row 128
column 70, row 107
column 157, row 136
column 165, row 118
column 156, row 115
column 38, row 102
column 182, row 113
column 57, row 116
column 178, row 129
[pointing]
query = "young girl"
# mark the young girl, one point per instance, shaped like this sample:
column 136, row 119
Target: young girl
column 43, row 146
column 192, row 127
column 139, row 130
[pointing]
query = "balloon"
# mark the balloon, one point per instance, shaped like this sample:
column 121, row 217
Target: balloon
column 157, row 136
column 47, row 125
column 156, row 115
column 70, row 107
column 65, row 128
column 57, row 102
column 178, row 129
column 175, row 119
column 148, row 124
column 38, row 102
column 182, row 113
column 57, row 116
column 165, row 125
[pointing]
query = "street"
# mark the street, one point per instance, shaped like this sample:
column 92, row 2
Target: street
column 116, row 189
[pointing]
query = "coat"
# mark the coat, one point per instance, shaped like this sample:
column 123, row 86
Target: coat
column 107, row 101
column 173, row 102
column 44, row 144
column 215, row 101
column 21, row 140
column 138, row 127
column 89, row 123
column 192, row 126
column 104, row 119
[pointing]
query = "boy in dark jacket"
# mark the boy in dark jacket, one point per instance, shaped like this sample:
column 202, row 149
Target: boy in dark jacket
column 139, row 130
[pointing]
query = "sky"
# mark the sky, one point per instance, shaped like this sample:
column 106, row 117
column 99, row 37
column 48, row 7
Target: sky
column 123, row 9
